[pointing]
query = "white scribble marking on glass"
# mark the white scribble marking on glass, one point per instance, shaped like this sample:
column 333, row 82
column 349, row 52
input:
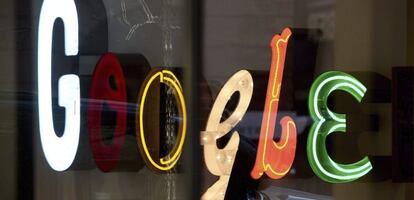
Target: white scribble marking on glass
column 150, row 18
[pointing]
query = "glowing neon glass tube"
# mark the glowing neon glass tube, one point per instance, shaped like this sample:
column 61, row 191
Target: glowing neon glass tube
column 275, row 158
column 168, row 78
column 327, row 122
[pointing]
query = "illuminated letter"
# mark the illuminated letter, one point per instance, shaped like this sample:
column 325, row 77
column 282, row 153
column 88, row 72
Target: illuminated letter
column 275, row 159
column 59, row 151
column 100, row 93
column 327, row 122
column 220, row 161
column 166, row 163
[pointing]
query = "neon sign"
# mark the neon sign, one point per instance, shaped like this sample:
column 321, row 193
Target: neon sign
column 327, row 122
column 275, row 158
column 168, row 78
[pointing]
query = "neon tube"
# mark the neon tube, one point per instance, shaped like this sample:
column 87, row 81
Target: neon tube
column 169, row 161
column 327, row 122
column 275, row 158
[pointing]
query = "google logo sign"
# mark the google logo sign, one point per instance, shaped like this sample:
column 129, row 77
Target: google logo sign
column 273, row 158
